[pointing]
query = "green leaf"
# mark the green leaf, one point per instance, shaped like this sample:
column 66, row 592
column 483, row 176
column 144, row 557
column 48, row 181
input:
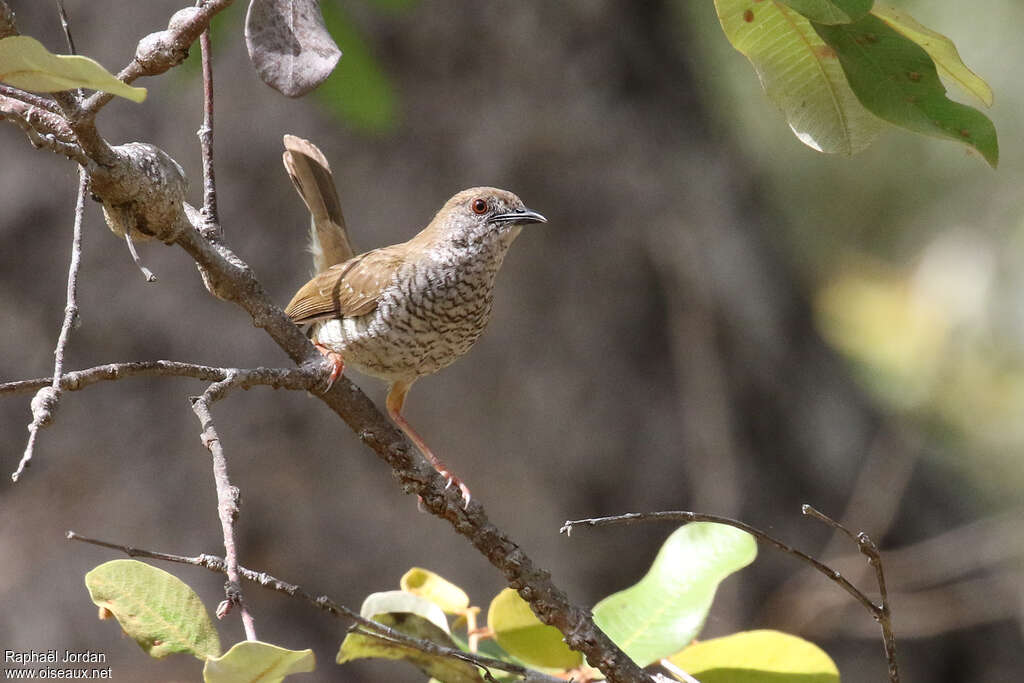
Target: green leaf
column 413, row 616
column 666, row 609
column 940, row 48
column 896, row 80
column 831, row 11
column 757, row 657
column 25, row 63
column 436, row 589
column 358, row 91
column 160, row 612
column 518, row 630
column 254, row 662
column 800, row 74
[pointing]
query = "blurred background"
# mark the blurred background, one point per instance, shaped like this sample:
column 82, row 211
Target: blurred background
column 716, row 318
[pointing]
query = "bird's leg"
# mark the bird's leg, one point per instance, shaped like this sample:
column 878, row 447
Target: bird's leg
column 395, row 401
column 336, row 360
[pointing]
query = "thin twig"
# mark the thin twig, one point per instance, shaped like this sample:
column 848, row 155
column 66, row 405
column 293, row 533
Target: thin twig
column 47, row 398
column 880, row 613
column 65, row 26
column 205, row 134
column 321, row 602
column 677, row 672
column 146, row 272
column 300, row 379
column 227, row 500
column 883, row 613
column 162, row 51
column 683, row 516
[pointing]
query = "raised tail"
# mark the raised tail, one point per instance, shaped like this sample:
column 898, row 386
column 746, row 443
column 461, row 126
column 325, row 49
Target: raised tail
column 311, row 175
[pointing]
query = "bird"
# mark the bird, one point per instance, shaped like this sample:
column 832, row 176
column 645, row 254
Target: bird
column 401, row 312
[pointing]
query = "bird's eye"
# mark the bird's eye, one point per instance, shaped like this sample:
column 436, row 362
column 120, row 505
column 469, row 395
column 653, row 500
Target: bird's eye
column 479, row 206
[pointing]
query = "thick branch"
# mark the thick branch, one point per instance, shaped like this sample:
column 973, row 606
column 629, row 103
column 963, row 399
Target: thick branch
column 234, row 281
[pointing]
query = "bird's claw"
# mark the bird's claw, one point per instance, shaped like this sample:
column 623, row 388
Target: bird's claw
column 455, row 481
column 337, row 365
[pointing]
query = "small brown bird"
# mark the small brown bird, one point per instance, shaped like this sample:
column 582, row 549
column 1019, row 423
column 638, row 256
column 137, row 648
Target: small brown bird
column 407, row 310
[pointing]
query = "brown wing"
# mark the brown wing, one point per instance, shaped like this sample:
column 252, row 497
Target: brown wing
column 348, row 289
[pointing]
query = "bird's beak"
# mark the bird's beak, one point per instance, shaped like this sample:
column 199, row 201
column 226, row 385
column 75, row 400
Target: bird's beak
column 520, row 217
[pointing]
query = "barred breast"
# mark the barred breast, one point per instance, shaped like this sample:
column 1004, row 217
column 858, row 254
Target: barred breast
column 430, row 314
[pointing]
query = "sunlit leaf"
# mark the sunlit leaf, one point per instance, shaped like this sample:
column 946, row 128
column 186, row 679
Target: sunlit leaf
column 897, row 81
column 666, row 609
column 940, row 48
column 757, row 657
column 800, row 74
column 254, row 662
column 25, row 63
column 830, row 11
column 518, row 630
column 387, row 602
column 160, row 612
column 436, row 589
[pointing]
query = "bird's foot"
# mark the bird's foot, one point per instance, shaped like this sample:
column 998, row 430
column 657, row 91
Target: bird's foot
column 337, row 363
column 455, row 481
column 452, row 481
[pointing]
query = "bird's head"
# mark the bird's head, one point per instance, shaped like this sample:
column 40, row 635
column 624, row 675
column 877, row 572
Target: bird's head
column 482, row 212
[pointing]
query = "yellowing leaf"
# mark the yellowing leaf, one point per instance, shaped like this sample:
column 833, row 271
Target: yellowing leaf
column 254, row 662
column 753, row 656
column 436, row 589
column 413, row 616
column 518, row 630
column 26, row 64
column 940, row 48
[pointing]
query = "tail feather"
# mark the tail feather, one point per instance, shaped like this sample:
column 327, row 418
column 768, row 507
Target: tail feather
column 311, row 175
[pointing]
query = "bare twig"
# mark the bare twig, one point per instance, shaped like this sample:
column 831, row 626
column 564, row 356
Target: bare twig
column 65, row 26
column 880, row 613
column 227, row 500
column 147, row 274
column 301, row 379
column 321, row 602
column 684, row 516
column 205, row 134
column 48, row 398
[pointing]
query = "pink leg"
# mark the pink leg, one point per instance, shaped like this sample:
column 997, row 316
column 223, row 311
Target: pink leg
column 395, row 401
column 336, row 360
